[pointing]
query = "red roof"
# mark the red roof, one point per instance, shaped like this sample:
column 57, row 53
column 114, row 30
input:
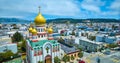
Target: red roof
column 50, row 38
column 34, row 40
column 43, row 33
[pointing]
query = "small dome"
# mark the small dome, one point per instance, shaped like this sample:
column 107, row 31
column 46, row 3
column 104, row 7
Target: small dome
column 30, row 29
column 50, row 30
column 34, row 32
column 45, row 29
column 39, row 20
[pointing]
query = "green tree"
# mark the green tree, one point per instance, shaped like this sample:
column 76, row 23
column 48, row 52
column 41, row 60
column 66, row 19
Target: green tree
column 92, row 37
column 60, row 39
column 80, row 54
column 72, row 57
column 40, row 61
column 17, row 37
column 66, row 58
column 7, row 55
column 114, row 27
column 1, row 57
column 62, row 34
column 56, row 60
column 112, row 45
column 96, row 29
column 23, row 46
column 80, row 49
column 73, row 33
column 16, row 55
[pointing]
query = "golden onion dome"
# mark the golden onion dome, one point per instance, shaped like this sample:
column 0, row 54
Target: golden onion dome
column 34, row 31
column 39, row 20
column 30, row 29
column 50, row 30
column 45, row 29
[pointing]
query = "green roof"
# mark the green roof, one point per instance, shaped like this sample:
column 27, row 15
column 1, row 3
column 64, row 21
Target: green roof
column 42, row 42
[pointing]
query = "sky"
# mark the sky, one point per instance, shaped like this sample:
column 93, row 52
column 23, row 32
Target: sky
column 51, row 9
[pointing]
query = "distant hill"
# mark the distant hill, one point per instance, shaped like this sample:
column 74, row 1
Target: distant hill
column 59, row 20
column 63, row 20
column 13, row 20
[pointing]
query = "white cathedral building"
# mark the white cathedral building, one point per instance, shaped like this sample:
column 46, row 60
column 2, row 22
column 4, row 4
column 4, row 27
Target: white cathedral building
column 40, row 45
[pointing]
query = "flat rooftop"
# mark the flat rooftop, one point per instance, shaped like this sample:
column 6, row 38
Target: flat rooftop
column 68, row 49
column 87, row 40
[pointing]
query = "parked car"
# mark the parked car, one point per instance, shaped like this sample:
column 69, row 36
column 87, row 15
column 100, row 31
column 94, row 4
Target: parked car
column 81, row 61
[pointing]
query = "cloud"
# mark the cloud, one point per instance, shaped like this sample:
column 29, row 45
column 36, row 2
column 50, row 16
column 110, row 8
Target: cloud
column 101, row 8
column 114, row 9
column 59, row 8
column 18, row 8
column 91, row 8
column 92, row 5
column 49, row 7
column 115, row 5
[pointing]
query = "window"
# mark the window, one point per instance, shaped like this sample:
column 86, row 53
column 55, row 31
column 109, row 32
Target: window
column 39, row 30
column 42, row 30
column 33, row 37
column 39, row 36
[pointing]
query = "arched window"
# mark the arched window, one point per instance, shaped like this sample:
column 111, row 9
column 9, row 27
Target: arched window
column 39, row 36
column 40, row 29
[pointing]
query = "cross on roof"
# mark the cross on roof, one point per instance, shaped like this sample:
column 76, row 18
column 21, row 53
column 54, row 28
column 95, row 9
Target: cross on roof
column 47, row 48
column 39, row 8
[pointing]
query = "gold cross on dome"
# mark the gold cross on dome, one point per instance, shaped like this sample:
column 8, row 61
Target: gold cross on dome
column 39, row 8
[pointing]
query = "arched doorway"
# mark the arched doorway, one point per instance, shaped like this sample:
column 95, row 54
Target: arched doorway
column 48, row 59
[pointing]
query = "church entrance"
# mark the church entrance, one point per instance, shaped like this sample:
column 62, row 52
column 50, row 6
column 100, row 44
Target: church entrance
column 48, row 59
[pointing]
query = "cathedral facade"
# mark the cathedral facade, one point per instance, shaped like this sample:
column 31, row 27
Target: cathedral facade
column 40, row 45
